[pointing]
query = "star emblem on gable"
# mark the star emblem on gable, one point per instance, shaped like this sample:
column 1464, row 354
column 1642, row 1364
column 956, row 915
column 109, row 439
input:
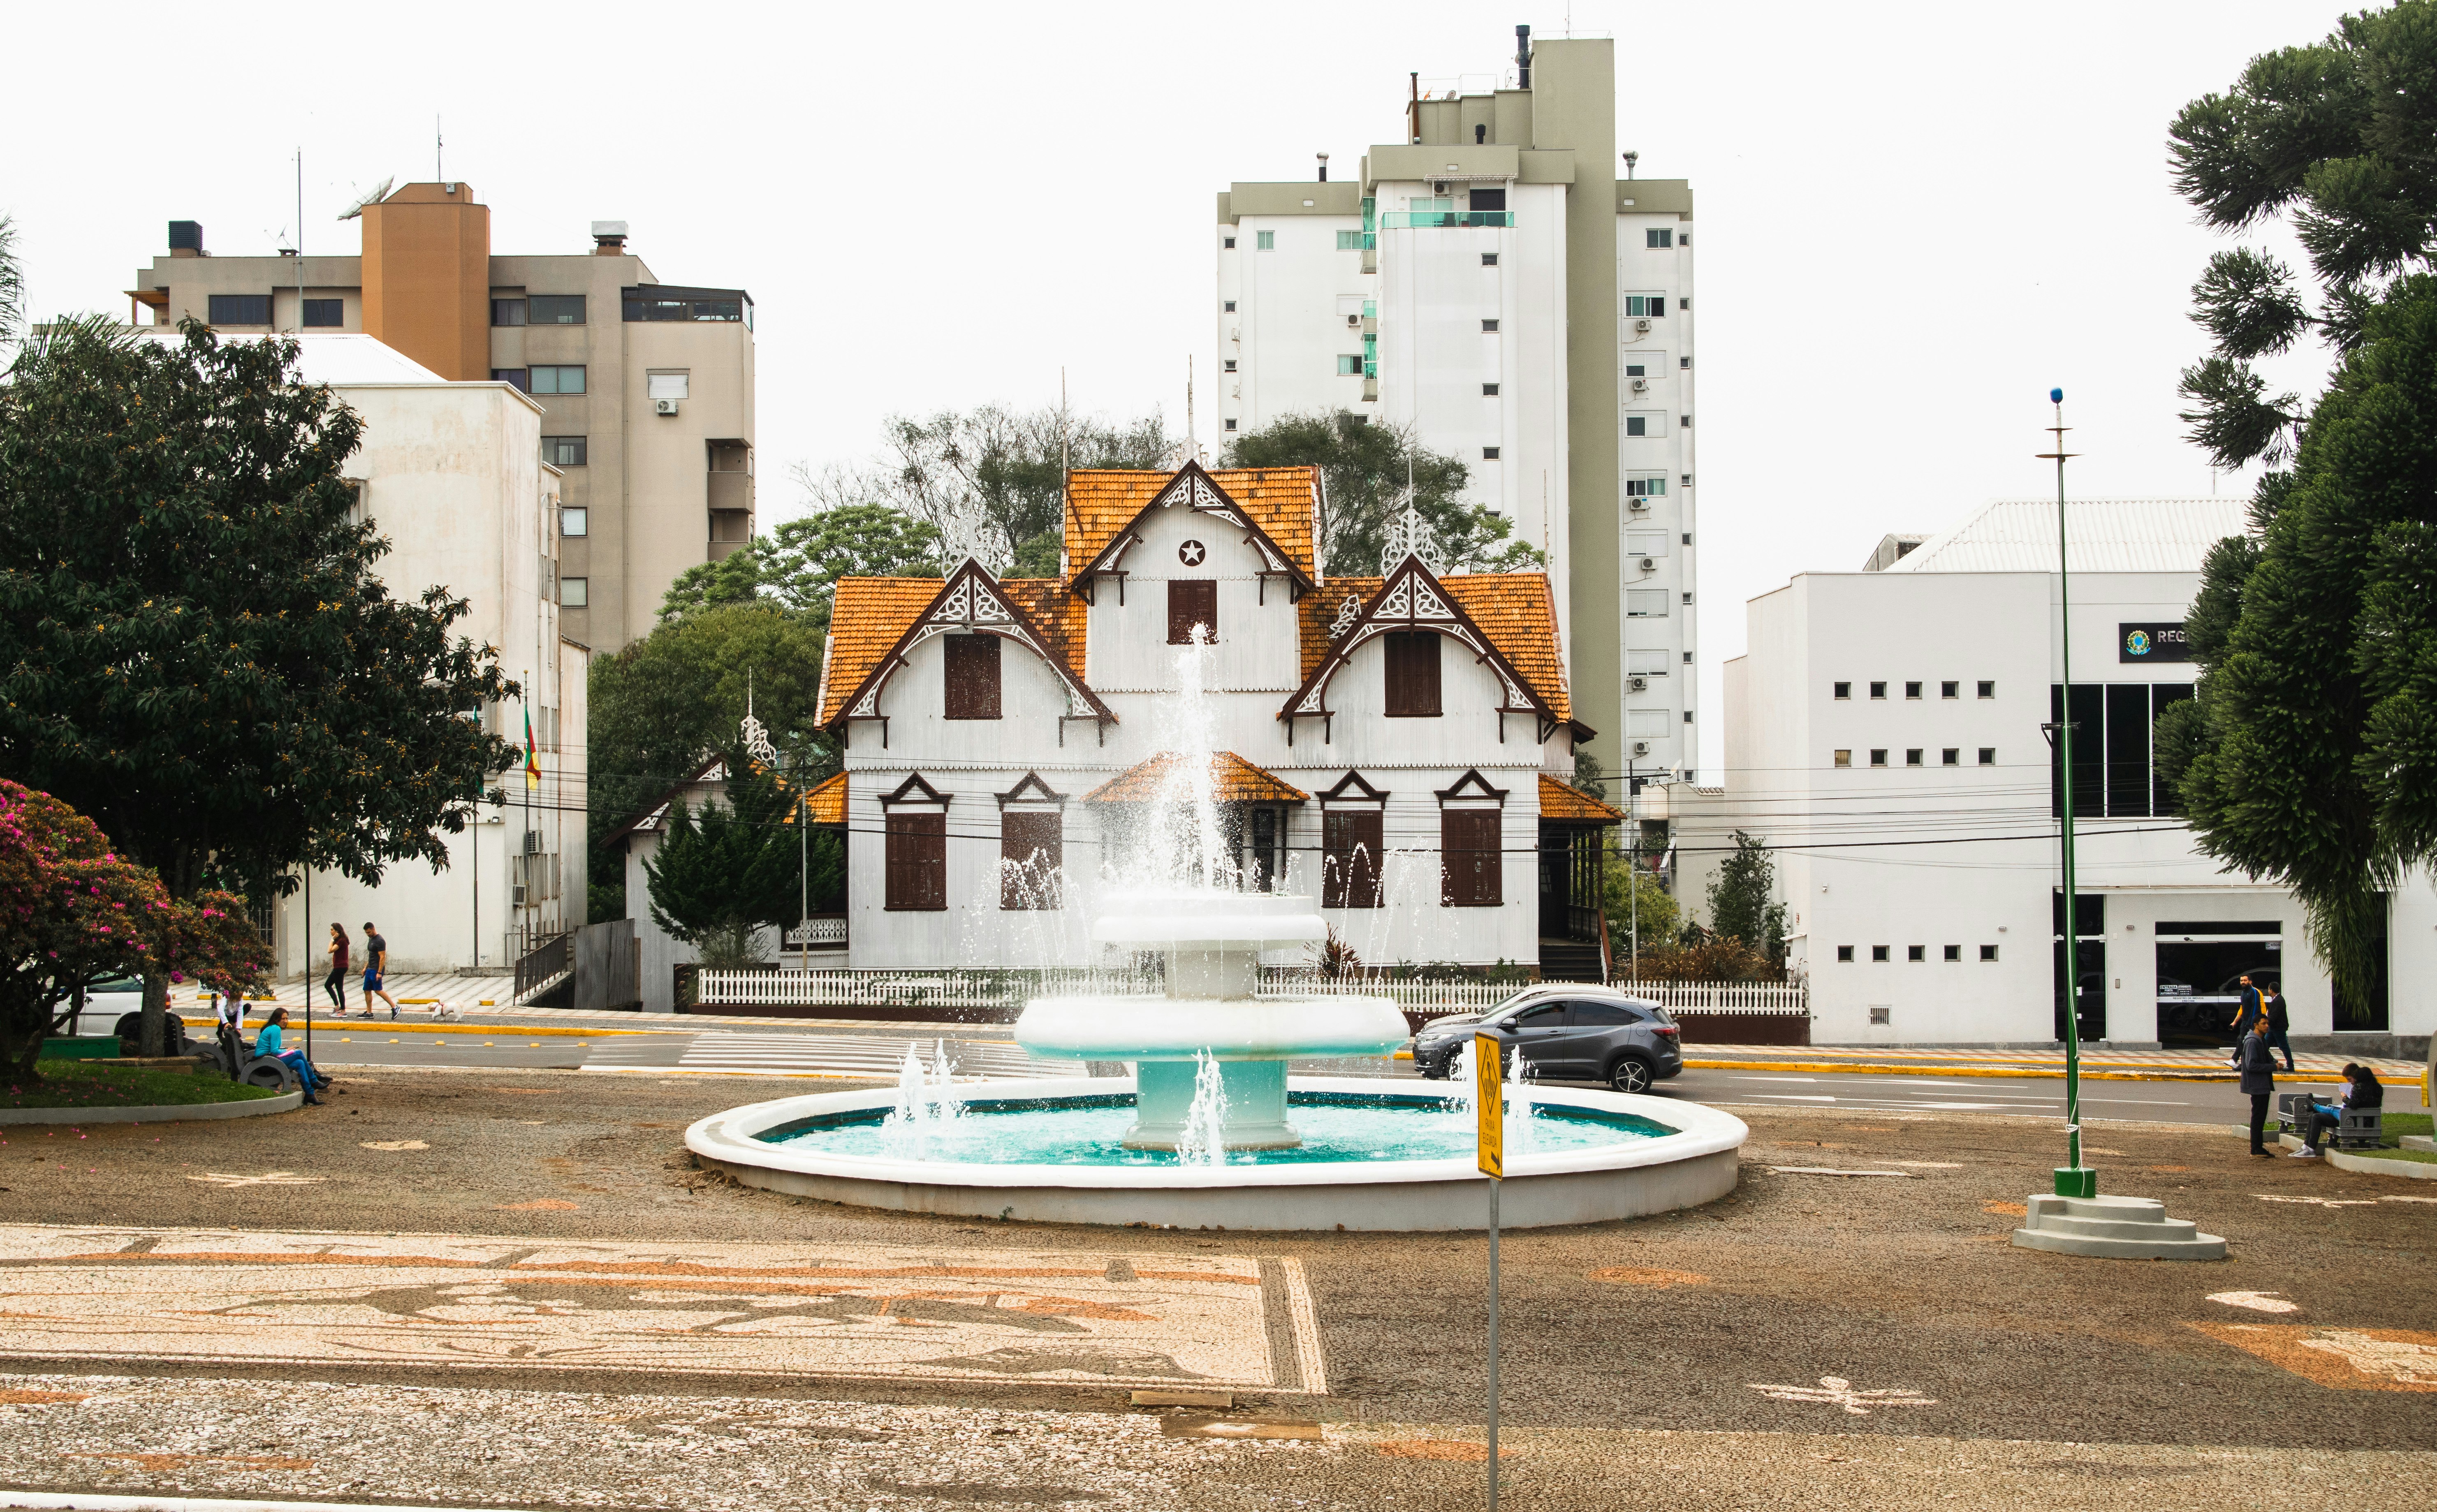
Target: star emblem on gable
column 1191, row 553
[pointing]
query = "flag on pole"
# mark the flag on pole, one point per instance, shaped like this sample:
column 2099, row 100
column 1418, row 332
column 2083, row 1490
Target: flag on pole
column 533, row 766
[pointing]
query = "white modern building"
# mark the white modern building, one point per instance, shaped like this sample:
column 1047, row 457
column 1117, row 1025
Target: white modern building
column 452, row 475
column 1491, row 283
column 1395, row 745
column 1885, row 732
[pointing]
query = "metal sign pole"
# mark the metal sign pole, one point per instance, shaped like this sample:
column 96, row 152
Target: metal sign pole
column 2073, row 1179
column 1489, row 1121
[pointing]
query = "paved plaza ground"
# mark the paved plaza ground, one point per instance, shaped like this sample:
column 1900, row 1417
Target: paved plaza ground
column 510, row 1289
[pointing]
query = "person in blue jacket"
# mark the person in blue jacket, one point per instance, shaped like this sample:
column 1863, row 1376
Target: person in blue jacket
column 272, row 1042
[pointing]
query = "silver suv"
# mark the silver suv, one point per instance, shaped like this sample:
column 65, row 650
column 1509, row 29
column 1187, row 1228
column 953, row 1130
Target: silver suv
column 1565, row 1031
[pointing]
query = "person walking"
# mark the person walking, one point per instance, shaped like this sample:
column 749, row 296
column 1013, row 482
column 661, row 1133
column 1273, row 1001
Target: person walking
column 376, row 968
column 2258, row 1067
column 2278, row 1026
column 336, row 984
column 272, row 1042
column 2251, row 1008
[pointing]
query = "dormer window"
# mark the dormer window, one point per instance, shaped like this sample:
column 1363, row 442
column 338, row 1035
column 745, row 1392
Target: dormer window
column 973, row 676
column 1412, row 674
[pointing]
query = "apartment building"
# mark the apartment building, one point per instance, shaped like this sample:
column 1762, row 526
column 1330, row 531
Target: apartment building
column 646, row 388
column 1886, row 735
column 1490, row 282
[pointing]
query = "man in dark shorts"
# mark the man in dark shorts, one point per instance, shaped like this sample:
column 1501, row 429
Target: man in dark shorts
column 375, row 966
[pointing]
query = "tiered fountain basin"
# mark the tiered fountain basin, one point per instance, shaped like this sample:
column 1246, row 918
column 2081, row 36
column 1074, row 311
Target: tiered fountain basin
column 1375, row 1155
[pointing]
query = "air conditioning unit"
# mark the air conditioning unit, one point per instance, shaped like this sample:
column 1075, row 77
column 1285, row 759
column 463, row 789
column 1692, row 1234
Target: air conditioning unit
column 1353, row 321
column 517, row 896
column 1650, row 564
column 1637, row 503
column 1637, row 684
column 664, row 406
column 1642, row 326
column 1641, row 385
column 1641, row 747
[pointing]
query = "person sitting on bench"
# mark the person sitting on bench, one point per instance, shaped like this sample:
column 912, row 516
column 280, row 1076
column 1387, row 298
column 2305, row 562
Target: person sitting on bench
column 2362, row 1091
column 271, row 1042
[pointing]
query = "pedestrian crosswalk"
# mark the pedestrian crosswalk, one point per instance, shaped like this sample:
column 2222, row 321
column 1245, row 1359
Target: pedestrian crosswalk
column 858, row 1055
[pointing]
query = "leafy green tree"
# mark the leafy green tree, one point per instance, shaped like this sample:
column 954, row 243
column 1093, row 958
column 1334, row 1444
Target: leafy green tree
column 726, row 870
column 1743, row 900
column 796, row 566
column 2309, row 755
column 1366, row 470
column 1655, row 910
column 667, row 701
column 196, row 649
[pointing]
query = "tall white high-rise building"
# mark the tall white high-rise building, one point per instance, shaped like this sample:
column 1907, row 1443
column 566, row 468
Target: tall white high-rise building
column 1492, row 284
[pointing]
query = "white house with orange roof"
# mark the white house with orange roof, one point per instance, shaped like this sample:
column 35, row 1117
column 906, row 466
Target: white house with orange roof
column 1398, row 746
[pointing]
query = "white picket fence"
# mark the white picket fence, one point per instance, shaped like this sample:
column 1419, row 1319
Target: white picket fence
column 994, row 991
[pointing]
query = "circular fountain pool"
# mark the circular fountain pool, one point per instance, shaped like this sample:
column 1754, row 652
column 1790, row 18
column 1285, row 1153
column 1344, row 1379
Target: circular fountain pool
column 1372, row 1156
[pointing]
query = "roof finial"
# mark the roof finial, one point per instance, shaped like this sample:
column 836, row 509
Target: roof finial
column 1409, row 535
column 757, row 738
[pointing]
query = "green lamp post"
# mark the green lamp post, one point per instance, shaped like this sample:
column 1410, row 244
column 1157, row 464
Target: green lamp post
column 2073, row 1179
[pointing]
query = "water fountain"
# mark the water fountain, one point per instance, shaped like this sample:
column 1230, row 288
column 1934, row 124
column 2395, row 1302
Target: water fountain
column 1208, row 1130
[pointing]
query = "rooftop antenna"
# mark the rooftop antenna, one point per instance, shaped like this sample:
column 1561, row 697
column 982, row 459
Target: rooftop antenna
column 437, row 176
column 300, row 239
column 1065, row 473
column 370, row 197
column 1192, row 436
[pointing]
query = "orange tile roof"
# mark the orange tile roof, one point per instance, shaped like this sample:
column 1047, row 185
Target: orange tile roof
column 1234, row 779
column 1103, row 502
column 1561, row 802
column 869, row 615
column 1514, row 610
column 826, row 802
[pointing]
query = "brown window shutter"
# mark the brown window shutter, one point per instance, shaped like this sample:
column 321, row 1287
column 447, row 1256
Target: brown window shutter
column 1470, row 872
column 1031, row 848
column 1350, row 845
column 1412, row 674
column 1191, row 602
column 918, row 861
column 973, row 676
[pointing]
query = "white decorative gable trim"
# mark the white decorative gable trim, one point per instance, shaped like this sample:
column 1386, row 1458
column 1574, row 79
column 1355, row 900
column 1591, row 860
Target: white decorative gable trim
column 1412, row 599
column 972, row 601
column 1195, row 489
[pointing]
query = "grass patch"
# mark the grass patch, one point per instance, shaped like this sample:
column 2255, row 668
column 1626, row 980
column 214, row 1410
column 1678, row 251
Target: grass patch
column 2421, row 1156
column 81, row 1084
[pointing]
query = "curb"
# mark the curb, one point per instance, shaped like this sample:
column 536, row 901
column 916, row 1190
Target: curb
column 85, row 1501
column 1937, row 1072
column 2365, row 1165
column 467, row 1026
column 165, row 1113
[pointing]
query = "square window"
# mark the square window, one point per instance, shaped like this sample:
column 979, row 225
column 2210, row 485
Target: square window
column 574, row 521
column 1878, row 952
column 1231, row 424
column 1687, row 537
column 1349, row 241
column 507, row 312
column 1265, row 241
column 1950, row 757
column 516, row 377
column 1489, row 454
column 1489, row 391
column 1912, row 689
column 1349, row 365
column 1646, row 422
column 566, row 452
column 1988, row 755
column 1844, row 690
column 1844, row 758
column 1656, row 238
column 1229, row 364
column 1950, row 689
column 1954, row 953
column 1489, row 260
column 670, row 385
column 1229, row 307
column 1844, row 953
column 1912, row 756
column 1687, row 596
column 562, row 379
column 574, row 593
column 1229, row 243
column 1489, row 325
column 1684, row 362
column 1878, row 755
column 1988, row 953
column 1880, row 1013
column 1688, row 656
column 1988, row 690
column 554, row 309
column 1878, row 690
column 1917, row 953
column 325, row 312
column 1687, row 716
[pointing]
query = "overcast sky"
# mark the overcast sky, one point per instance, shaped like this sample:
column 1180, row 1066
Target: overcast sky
column 1916, row 218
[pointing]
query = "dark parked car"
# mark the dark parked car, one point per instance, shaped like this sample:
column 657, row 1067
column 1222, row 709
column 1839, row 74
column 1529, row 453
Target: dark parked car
column 1572, row 1033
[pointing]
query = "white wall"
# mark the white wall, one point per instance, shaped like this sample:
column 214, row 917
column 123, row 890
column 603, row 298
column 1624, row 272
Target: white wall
column 1660, row 353
column 1289, row 326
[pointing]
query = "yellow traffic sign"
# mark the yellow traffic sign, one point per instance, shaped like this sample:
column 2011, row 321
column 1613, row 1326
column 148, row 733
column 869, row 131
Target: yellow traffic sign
column 1489, row 1104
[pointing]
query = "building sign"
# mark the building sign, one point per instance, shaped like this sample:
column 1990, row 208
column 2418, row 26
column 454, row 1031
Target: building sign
column 2152, row 643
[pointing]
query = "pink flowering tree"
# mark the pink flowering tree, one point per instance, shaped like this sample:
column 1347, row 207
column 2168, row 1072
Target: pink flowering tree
column 73, row 913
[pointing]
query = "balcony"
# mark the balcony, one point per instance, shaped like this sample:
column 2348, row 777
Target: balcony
column 731, row 490
column 1427, row 219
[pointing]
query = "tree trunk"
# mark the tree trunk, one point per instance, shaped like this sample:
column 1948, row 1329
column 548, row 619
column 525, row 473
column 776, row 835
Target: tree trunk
column 155, row 1037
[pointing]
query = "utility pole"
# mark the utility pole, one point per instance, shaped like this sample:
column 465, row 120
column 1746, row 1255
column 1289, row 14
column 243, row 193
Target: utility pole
column 2073, row 1179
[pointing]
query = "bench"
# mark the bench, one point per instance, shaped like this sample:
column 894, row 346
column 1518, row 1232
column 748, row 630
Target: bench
column 2293, row 1109
column 2361, row 1130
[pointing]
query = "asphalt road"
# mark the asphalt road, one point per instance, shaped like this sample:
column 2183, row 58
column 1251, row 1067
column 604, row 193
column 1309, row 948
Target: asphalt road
column 879, row 1053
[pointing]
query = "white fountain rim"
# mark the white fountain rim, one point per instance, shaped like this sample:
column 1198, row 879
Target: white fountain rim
column 729, row 1138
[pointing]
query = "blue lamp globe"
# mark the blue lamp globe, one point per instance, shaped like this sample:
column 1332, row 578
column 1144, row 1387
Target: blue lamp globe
column 2056, row 395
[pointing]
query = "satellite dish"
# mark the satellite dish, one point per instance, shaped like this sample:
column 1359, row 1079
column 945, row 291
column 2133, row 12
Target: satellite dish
column 377, row 193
